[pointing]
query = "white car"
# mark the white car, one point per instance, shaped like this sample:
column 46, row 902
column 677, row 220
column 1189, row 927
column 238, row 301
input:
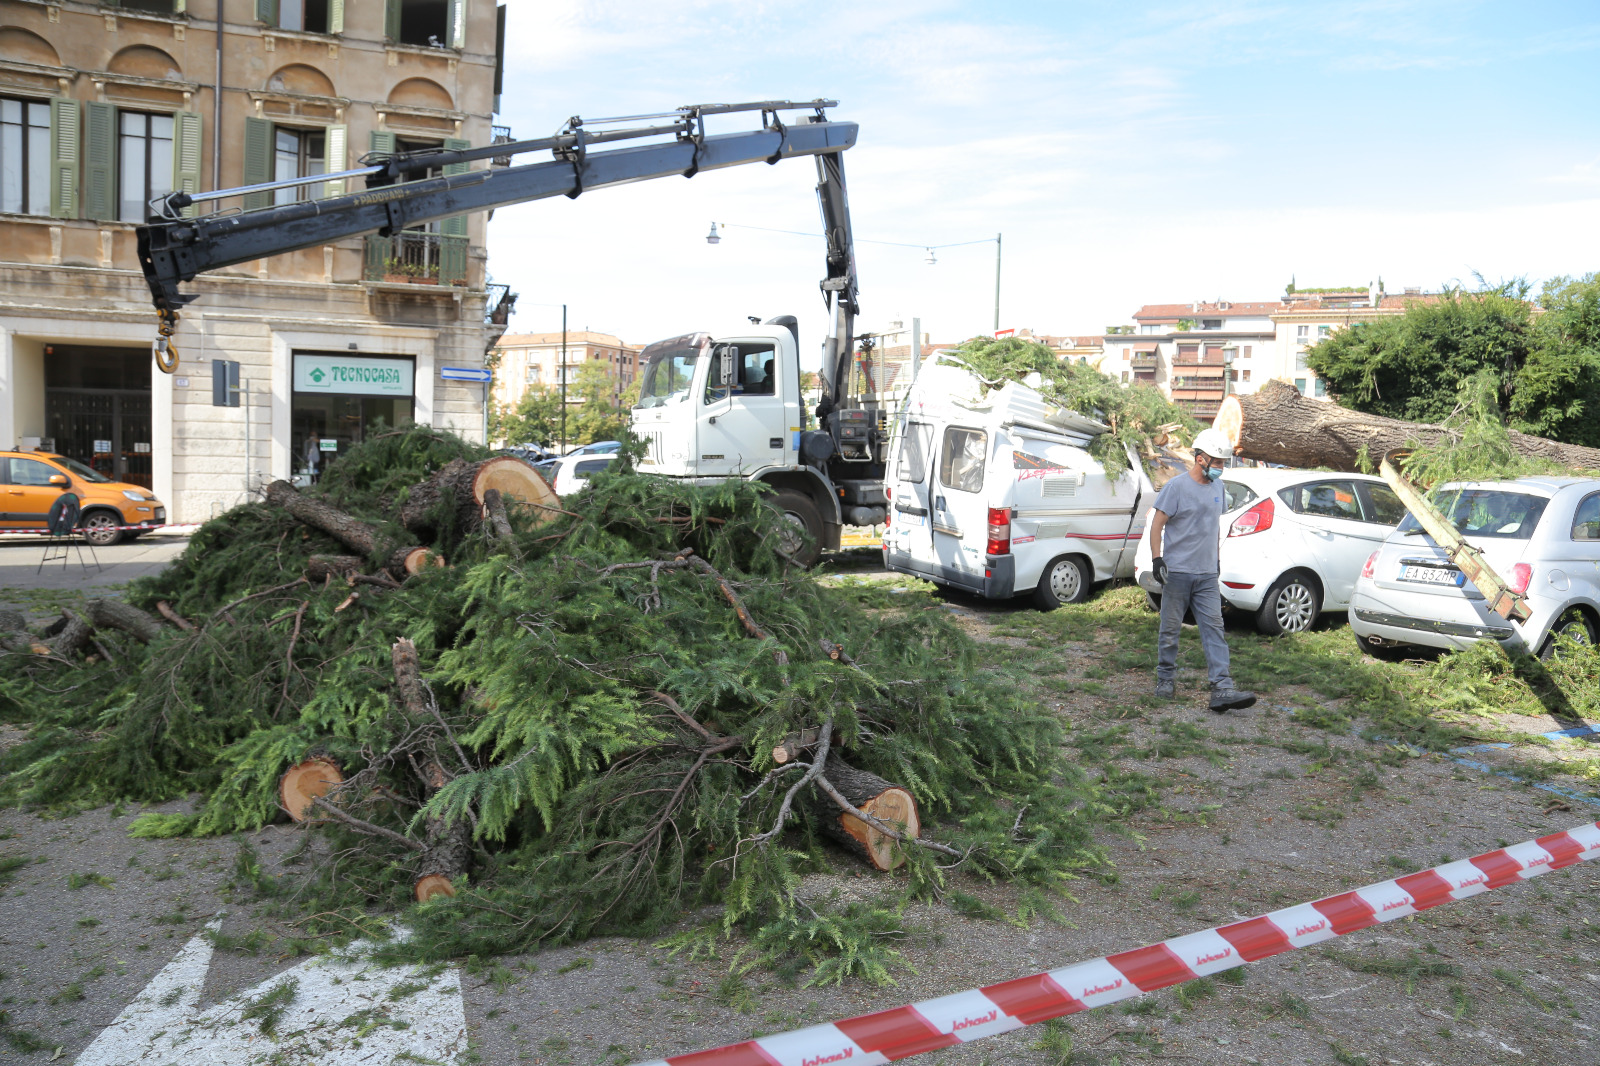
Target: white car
column 572, row 472
column 1541, row 535
column 1293, row 542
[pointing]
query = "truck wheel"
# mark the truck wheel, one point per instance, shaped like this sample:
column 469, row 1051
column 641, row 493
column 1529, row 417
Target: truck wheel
column 1065, row 580
column 1291, row 605
column 802, row 543
column 100, row 528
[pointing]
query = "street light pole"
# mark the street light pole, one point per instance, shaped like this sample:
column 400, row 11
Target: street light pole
column 997, row 282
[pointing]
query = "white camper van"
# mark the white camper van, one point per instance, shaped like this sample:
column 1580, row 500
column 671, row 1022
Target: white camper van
column 995, row 493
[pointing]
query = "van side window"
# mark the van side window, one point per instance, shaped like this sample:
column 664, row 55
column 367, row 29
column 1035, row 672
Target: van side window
column 961, row 459
column 1586, row 522
column 914, row 452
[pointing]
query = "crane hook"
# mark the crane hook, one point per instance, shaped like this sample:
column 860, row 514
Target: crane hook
column 165, row 351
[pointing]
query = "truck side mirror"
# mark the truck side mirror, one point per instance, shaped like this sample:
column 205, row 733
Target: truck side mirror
column 61, row 481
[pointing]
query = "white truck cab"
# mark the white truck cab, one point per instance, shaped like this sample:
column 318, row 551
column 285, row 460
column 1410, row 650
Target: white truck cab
column 996, row 493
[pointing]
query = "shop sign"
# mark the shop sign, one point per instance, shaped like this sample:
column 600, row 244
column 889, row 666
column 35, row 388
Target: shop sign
column 353, row 375
column 102, row 447
column 327, row 444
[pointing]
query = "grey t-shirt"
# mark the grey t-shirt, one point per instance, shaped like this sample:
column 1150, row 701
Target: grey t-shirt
column 1189, row 539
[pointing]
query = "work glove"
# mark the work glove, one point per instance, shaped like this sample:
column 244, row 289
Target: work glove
column 1158, row 568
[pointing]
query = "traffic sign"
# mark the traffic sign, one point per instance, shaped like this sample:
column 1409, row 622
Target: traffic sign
column 466, row 373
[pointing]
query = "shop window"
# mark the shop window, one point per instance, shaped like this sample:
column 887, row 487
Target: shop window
column 25, row 157
column 310, row 16
column 144, row 155
column 340, row 399
column 427, row 23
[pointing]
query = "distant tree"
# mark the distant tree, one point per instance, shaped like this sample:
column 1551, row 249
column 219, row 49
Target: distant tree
column 600, row 406
column 535, row 419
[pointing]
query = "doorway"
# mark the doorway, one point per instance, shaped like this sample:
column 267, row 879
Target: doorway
column 97, row 409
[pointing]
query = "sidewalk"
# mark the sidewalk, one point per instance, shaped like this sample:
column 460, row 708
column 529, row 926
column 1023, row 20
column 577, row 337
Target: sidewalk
column 20, row 556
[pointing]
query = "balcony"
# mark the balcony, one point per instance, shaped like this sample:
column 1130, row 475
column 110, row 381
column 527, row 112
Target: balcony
column 1145, row 362
column 417, row 258
column 502, row 135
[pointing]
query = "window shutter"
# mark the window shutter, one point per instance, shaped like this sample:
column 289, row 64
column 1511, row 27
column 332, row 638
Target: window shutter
column 455, row 225
column 267, row 11
column 257, row 160
column 335, row 16
column 337, row 150
column 377, row 256
column 391, row 20
column 453, row 230
column 186, row 154
column 99, row 160
column 64, row 136
column 382, row 142
column 180, row 7
column 458, row 23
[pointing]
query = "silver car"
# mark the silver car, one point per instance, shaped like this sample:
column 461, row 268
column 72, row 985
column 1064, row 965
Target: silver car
column 1540, row 534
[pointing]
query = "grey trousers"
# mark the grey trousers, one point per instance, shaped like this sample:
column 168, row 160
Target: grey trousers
column 1197, row 593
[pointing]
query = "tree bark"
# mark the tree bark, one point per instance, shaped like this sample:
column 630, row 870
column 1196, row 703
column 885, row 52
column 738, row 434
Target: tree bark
column 1278, row 425
column 322, row 568
column 448, row 848
column 882, row 799
column 15, row 636
column 456, row 494
column 353, row 533
column 72, row 638
column 114, row 614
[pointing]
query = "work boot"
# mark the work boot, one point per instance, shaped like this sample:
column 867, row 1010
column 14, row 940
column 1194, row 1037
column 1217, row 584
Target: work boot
column 1228, row 698
column 1165, row 690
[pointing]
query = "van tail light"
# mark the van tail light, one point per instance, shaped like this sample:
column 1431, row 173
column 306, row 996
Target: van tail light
column 1366, row 567
column 999, row 531
column 1256, row 520
column 1521, row 575
column 888, row 508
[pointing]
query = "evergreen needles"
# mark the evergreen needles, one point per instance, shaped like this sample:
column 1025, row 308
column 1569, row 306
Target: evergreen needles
column 592, row 716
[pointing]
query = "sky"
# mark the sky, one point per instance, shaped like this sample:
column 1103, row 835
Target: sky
column 1127, row 153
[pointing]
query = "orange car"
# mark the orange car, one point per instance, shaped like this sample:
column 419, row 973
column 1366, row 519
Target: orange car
column 31, row 481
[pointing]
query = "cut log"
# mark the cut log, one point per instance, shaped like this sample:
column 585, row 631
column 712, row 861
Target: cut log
column 322, row 568
column 448, row 848
column 114, row 614
column 794, row 744
column 72, row 637
column 359, row 536
column 457, row 493
column 887, row 802
column 304, row 782
column 1278, row 425
column 407, row 561
column 174, row 617
column 430, row 885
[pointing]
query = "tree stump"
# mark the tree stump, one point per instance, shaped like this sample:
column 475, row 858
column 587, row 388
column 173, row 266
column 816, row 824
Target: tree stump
column 1278, row 425
column 887, row 802
column 304, row 782
column 457, row 493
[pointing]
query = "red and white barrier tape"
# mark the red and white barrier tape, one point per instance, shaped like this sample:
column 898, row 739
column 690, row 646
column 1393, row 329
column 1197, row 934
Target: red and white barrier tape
column 972, row 1015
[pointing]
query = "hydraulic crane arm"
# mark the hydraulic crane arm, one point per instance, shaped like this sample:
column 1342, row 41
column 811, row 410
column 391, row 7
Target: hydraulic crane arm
column 173, row 249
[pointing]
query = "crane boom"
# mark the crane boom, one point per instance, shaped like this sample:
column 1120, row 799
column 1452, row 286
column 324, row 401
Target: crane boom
column 173, row 249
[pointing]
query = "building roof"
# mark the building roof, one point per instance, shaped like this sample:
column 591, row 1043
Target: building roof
column 575, row 336
column 1173, row 312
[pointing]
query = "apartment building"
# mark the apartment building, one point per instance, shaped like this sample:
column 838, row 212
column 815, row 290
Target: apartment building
column 533, row 361
column 1305, row 317
column 105, row 106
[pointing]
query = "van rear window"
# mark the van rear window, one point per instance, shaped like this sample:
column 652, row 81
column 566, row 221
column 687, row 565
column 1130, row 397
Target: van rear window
column 914, row 452
column 961, row 459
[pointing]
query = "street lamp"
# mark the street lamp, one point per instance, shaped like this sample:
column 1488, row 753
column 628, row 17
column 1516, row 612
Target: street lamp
column 712, row 237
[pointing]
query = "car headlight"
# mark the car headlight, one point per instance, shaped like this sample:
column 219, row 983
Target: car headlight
column 137, row 497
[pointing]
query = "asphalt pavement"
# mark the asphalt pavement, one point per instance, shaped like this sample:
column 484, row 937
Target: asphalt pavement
column 23, row 566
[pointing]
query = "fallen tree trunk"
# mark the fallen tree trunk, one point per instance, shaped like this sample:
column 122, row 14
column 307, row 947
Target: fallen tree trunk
column 353, row 533
column 73, row 636
column 448, row 847
column 114, row 614
column 324, row 568
column 457, row 494
column 885, row 801
column 1278, row 425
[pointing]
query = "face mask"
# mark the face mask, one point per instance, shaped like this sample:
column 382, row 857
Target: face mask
column 1213, row 473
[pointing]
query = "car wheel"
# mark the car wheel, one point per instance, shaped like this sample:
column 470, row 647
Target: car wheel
column 801, row 542
column 1065, row 580
column 1291, row 605
column 100, row 528
column 1574, row 625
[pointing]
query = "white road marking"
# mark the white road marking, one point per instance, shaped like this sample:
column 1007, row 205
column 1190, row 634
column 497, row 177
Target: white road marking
column 346, row 1010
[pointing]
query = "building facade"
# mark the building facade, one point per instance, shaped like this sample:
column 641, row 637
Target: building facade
column 106, row 106
column 525, row 361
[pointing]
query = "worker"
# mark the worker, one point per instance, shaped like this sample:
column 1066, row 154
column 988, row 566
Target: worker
column 1185, row 541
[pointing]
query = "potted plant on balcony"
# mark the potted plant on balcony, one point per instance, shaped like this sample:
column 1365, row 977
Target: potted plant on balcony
column 400, row 271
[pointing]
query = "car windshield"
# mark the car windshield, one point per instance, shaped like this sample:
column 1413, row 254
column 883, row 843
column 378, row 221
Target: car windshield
column 1492, row 513
column 669, row 368
column 87, row 473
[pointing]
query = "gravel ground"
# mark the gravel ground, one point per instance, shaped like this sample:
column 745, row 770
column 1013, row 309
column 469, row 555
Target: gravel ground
column 1254, row 812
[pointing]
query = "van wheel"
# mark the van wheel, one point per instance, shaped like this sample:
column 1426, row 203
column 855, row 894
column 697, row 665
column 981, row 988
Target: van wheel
column 100, row 528
column 1292, row 605
column 801, row 542
column 1065, row 580
column 1574, row 625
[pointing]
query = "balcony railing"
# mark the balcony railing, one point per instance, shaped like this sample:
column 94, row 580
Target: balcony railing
column 1144, row 362
column 418, row 258
column 502, row 135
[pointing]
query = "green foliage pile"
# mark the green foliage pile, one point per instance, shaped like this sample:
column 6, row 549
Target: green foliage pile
column 1545, row 366
column 594, row 807
column 1134, row 412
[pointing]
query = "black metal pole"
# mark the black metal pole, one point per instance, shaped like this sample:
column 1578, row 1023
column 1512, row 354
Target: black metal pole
column 563, row 373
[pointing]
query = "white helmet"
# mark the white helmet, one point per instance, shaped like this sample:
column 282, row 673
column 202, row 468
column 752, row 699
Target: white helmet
column 1214, row 443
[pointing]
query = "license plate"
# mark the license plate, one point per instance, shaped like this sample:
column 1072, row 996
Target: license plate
column 1432, row 575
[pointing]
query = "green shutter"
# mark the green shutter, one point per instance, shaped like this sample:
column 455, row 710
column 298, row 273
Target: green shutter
column 257, row 160
column 99, row 160
column 267, row 11
column 391, row 20
column 335, row 16
column 455, row 225
column 377, row 257
column 338, row 150
column 458, row 23
column 186, row 154
column 65, row 125
column 452, row 260
column 180, row 7
column 381, row 142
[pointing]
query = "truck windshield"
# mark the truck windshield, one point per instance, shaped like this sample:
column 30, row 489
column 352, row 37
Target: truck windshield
column 669, row 368
column 1486, row 513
